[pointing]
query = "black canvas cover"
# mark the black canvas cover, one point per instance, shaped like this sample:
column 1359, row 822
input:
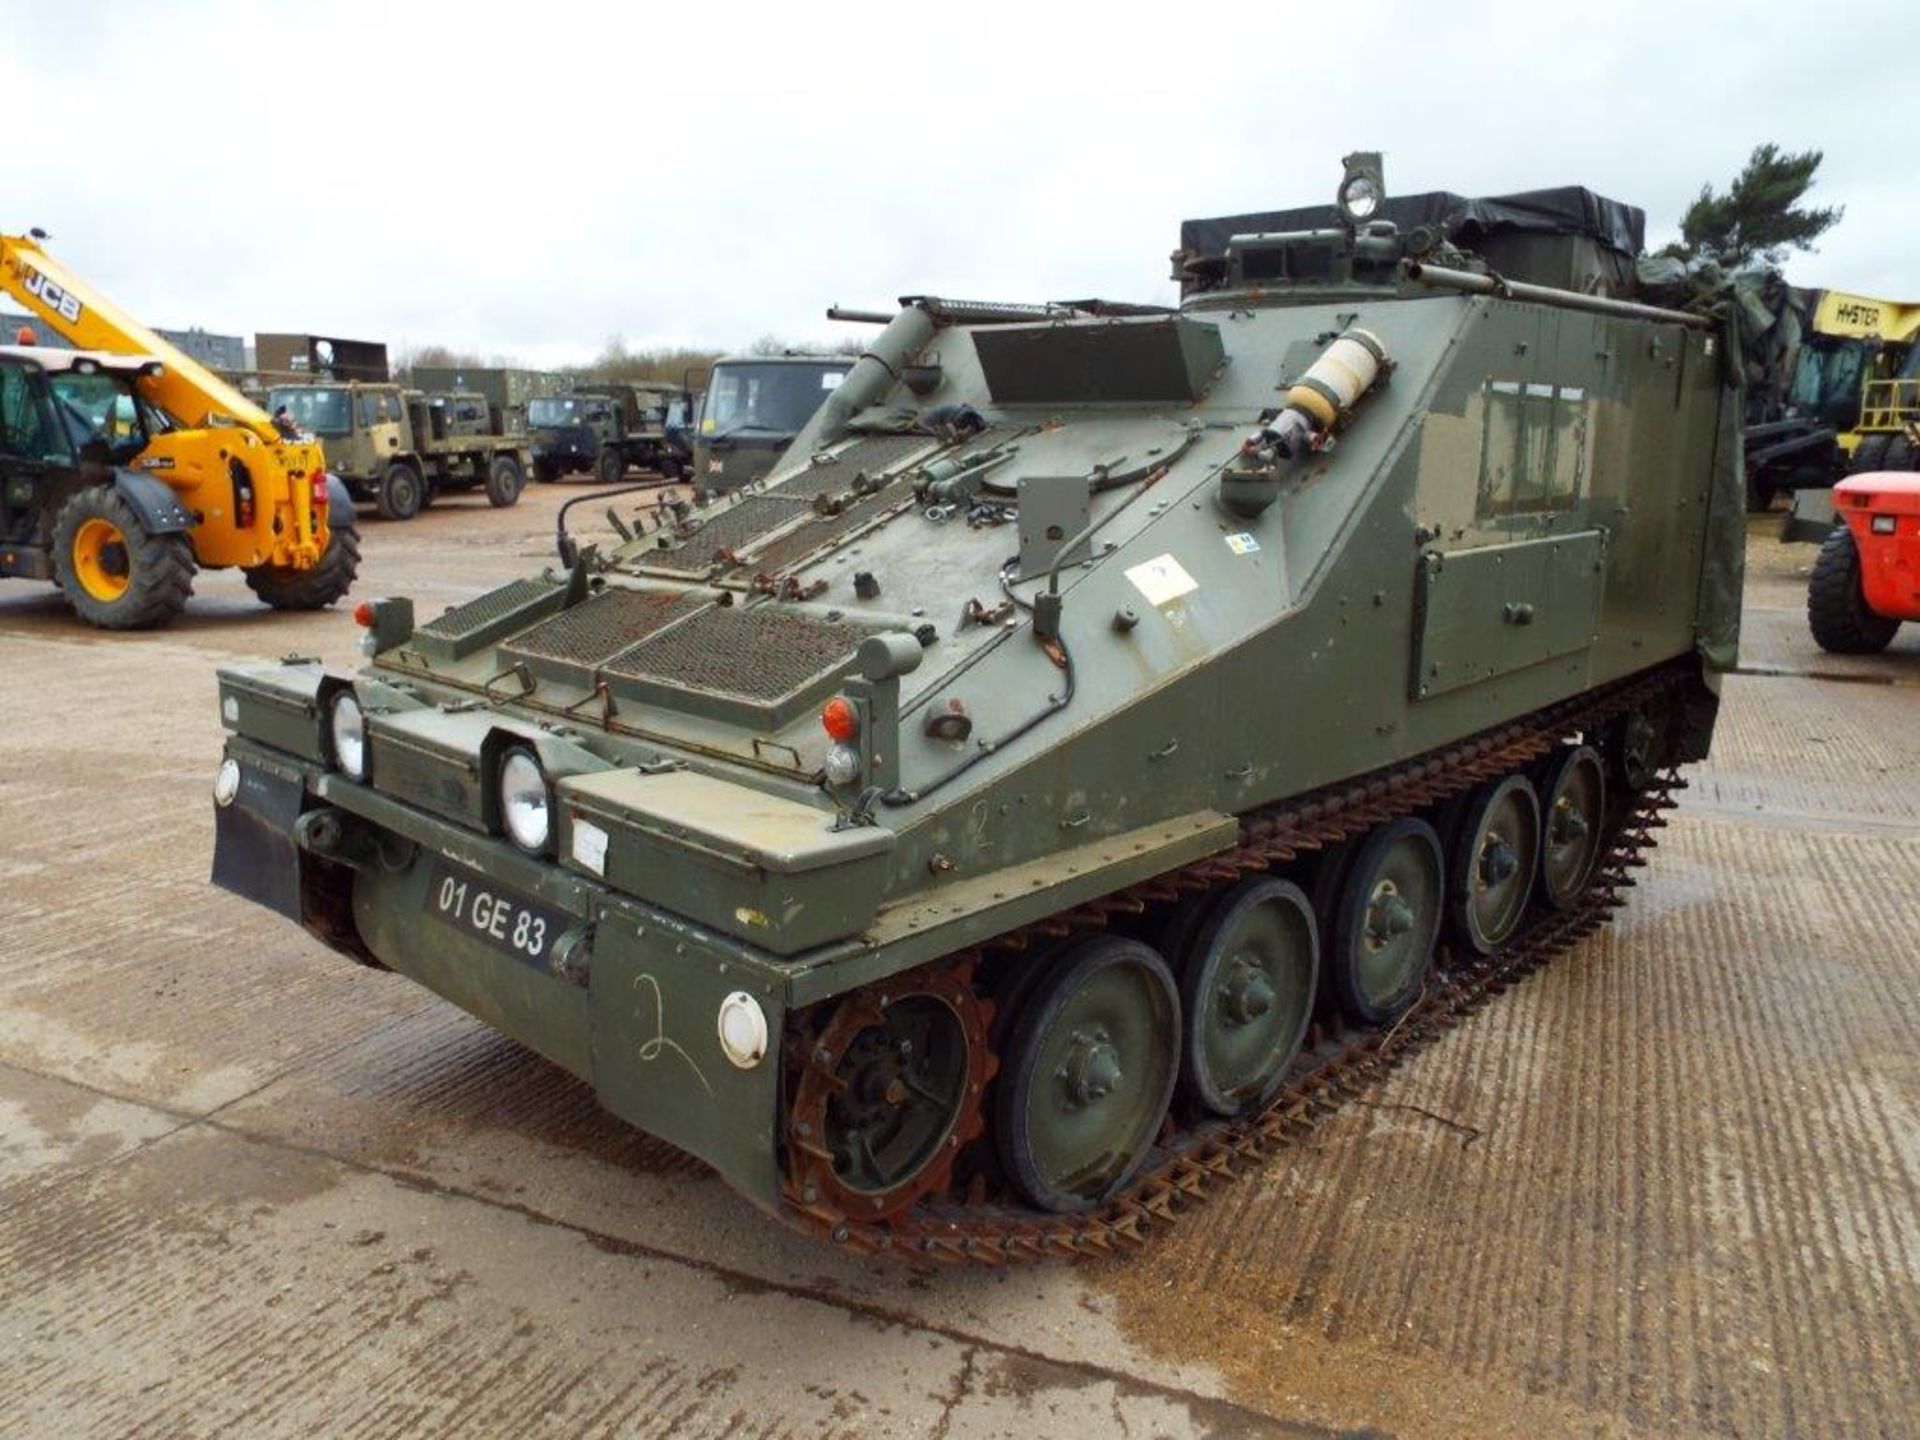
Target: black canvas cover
column 1564, row 210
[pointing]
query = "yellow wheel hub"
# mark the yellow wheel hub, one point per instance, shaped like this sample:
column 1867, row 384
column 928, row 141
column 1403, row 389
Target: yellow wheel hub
column 100, row 559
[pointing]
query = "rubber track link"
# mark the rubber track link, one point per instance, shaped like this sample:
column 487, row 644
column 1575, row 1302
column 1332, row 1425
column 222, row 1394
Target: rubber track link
column 1189, row 1166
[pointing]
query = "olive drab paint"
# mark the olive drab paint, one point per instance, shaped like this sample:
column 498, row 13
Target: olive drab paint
column 1126, row 574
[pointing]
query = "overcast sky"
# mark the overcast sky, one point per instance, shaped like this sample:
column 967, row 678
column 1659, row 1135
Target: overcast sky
column 532, row 179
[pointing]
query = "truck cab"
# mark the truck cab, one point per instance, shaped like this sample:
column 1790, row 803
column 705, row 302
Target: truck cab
column 397, row 448
column 753, row 408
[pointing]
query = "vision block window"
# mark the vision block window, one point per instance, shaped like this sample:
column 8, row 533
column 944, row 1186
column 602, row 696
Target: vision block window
column 1533, row 450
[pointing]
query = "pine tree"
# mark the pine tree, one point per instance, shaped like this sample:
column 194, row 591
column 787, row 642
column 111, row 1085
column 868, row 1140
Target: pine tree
column 1760, row 216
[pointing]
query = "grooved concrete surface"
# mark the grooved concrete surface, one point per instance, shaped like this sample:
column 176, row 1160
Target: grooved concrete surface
column 1670, row 1186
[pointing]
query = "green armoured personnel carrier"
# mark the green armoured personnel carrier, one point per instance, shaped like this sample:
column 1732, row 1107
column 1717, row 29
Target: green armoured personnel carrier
column 400, row 448
column 1110, row 735
column 605, row 428
column 753, row 408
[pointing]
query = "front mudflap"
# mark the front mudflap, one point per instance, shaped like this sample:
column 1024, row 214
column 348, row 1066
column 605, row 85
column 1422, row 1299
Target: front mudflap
column 254, row 852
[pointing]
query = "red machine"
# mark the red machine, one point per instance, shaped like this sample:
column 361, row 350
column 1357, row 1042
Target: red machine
column 1867, row 579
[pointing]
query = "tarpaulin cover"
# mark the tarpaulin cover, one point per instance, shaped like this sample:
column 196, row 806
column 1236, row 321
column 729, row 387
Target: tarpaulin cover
column 1565, row 210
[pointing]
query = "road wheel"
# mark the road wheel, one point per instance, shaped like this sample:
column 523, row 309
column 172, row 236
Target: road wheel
column 1573, row 822
column 1387, row 922
column 1246, row 995
column 612, row 467
column 1088, row 1073
column 505, row 480
column 401, row 492
column 1837, row 610
column 114, row 572
column 285, row 588
column 1495, row 859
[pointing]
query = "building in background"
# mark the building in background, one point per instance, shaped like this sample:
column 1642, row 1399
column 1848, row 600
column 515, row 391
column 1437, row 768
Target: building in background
column 43, row 333
column 325, row 357
column 217, row 352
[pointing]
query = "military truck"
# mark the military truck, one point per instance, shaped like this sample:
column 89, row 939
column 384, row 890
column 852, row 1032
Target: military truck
column 508, row 390
column 604, row 428
column 399, row 448
column 1110, row 736
column 754, row 406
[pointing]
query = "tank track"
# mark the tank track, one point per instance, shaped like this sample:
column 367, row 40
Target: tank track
column 1341, row 1062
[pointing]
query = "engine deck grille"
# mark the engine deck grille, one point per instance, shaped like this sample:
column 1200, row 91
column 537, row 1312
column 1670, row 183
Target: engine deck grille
column 466, row 627
column 734, row 528
column 836, row 476
column 796, row 545
column 596, row 630
column 759, row 653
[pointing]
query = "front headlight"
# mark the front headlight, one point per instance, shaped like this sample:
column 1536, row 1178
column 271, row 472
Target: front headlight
column 349, row 728
column 526, row 809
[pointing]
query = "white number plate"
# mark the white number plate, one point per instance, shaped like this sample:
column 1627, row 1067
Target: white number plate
column 478, row 908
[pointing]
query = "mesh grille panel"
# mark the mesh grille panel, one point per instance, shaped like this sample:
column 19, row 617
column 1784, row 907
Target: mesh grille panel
column 800, row 543
column 876, row 452
column 732, row 529
column 598, row 629
column 463, row 620
column 754, row 653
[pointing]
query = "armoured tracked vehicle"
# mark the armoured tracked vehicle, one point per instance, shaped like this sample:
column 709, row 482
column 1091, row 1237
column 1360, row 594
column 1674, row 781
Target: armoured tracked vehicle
column 1108, row 736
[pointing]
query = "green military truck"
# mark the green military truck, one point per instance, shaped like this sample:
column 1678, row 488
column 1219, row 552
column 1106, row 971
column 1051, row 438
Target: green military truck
column 508, row 390
column 754, row 406
column 603, row 429
column 398, row 449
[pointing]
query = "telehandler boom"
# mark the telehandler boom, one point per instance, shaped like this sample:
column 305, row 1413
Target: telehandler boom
column 125, row 464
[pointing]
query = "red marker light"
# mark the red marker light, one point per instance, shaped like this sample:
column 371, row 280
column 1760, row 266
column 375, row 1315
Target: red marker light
column 363, row 614
column 319, row 489
column 840, row 720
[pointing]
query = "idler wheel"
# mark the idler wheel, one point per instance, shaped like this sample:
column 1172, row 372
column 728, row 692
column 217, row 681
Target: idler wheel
column 1573, row 816
column 1636, row 746
column 889, row 1092
column 1246, row 995
column 1088, row 1073
column 1495, row 860
column 1387, row 922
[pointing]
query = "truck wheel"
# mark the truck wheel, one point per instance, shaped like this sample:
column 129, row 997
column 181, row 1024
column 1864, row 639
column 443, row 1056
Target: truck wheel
column 505, row 480
column 545, row 471
column 401, row 492
column 285, row 588
column 1899, row 454
column 671, row 468
column 1837, row 610
column 613, row 466
column 114, row 572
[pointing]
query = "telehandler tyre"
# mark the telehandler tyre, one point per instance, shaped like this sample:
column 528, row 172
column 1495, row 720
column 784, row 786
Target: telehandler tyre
column 114, row 572
column 402, row 492
column 315, row 589
column 505, row 481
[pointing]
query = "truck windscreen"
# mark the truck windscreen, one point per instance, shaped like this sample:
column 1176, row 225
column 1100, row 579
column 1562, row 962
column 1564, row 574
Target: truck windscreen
column 771, row 398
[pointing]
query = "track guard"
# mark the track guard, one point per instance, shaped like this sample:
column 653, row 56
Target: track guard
column 154, row 501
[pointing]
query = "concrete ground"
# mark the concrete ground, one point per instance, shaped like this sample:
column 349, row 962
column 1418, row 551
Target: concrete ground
column 1669, row 1186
